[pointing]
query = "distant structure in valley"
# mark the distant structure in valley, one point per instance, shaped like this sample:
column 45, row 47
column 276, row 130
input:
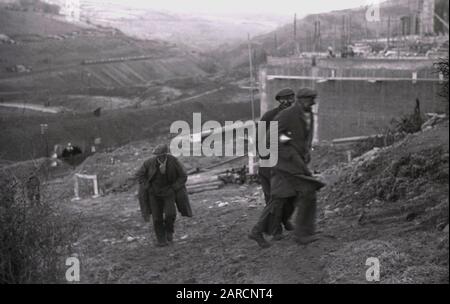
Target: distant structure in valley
column 423, row 18
column 68, row 8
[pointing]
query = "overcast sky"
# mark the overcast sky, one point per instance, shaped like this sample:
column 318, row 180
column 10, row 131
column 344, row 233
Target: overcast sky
column 283, row 7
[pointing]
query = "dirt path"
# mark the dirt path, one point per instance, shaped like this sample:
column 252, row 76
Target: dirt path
column 116, row 246
column 32, row 107
column 178, row 101
column 200, row 95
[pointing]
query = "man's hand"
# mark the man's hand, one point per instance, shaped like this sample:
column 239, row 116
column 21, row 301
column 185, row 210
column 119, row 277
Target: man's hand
column 284, row 138
column 307, row 158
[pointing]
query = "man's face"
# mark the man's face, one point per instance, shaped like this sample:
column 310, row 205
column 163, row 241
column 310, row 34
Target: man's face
column 307, row 103
column 286, row 102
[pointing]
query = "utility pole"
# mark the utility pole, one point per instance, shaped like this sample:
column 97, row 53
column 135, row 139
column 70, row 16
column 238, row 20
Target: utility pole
column 343, row 32
column 366, row 28
column 295, row 27
column 334, row 40
column 349, row 29
column 317, row 34
column 315, row 37
column 251, row 76
column 275, row 41
column 388, row 42
column 44, row 130
column 251, row 157
column 296, row 44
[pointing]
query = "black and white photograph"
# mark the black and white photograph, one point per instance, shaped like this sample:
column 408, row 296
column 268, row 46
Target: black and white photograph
column 224, row 147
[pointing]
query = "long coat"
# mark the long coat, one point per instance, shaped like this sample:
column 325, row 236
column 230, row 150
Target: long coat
column 176, row 176
column 291, row 172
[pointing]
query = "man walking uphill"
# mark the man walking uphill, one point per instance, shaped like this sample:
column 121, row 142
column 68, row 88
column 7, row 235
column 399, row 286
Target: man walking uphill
column 285, row 97
column 162, row 189
column 290, row 177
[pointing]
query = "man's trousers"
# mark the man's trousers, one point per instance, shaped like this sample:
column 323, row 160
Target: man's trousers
column 281, row 208
column 164, row 213
column 276, row 211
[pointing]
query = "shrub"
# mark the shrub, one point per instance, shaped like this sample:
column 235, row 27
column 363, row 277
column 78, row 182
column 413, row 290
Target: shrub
column 35, row 238
column 411, row 123
column 442, row 66
column 51, row 9
column 406, row 124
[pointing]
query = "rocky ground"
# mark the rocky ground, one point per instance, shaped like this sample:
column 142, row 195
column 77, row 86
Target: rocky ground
column 390, row 203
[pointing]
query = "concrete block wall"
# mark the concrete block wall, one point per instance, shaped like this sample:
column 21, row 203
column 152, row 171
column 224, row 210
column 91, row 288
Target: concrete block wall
column 358, row 107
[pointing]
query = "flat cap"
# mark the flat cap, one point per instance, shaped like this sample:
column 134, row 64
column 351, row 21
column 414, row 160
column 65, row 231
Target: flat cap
column 285, row 93
column 161, row 149
column 306, row 92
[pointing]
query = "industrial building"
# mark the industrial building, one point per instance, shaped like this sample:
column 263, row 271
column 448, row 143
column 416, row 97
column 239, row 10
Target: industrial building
column 70, row 9
column 357, row 96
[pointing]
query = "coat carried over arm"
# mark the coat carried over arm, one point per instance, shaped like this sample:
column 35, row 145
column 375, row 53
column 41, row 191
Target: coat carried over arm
column 177, row 177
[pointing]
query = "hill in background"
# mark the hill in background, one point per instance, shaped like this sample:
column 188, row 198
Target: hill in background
column 53, row 52
column 199, row 31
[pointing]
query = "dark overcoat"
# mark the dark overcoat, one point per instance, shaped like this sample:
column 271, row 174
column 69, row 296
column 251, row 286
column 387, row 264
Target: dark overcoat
column 176, row 176
column 291, row 172
column 264, row 172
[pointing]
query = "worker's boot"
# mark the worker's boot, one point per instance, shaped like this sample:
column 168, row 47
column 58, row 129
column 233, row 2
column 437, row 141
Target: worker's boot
column 169, row 228
column 259, row 238
column 305, row 220
column 278, row 233
column 306, row 239
column 161, row 244
column 278, row 237
column 288, row 226
column 161, row 238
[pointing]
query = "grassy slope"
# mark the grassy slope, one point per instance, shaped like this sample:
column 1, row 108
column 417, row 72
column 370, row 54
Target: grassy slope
column 57, row 63
column 15, row 23
column 23, row 139
column 57, row 71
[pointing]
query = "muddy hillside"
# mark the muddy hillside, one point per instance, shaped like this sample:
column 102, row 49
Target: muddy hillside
column 390, row 203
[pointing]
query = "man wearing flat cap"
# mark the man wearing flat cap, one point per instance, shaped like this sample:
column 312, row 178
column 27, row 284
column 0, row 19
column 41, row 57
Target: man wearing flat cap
column 285, row 97
column 162, row 191
column 290, row 178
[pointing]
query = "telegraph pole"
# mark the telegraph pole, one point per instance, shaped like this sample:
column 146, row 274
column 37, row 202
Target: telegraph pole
column 389, row 31
column 275, row 42
column 335, row 38
column 251, row 157
column 366, row 28
column 295, row 27
column 317, row 35
column 296, row 44
column 349, row 29
column 251, row 76
column 343, row 33
column 44, row 130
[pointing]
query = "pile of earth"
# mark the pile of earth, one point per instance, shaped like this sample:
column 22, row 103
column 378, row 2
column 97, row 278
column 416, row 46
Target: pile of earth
column 393, row 203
